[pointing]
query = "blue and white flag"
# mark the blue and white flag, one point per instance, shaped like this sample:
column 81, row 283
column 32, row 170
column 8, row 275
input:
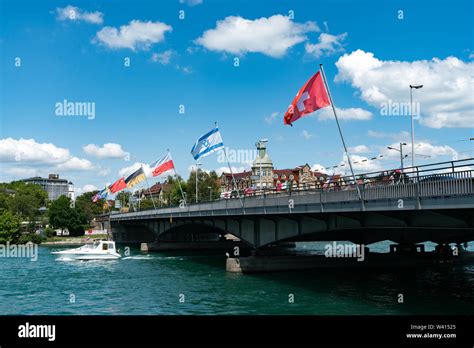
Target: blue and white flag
column 207, row 144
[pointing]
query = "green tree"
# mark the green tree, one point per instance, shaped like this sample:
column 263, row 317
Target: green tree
column 123, row 197
column 208, row 186
column 25, row 201
column 62, row 215
column 172, row 192
column 9, row 227
column 87, row 208
column 146, row 203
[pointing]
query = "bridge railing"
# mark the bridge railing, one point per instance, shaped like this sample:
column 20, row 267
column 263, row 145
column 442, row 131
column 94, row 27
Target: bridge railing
column 442, row 179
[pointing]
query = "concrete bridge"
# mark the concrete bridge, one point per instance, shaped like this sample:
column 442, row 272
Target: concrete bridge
column 428, row 203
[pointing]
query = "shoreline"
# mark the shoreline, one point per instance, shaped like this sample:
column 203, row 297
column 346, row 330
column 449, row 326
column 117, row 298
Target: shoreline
column 79, row 240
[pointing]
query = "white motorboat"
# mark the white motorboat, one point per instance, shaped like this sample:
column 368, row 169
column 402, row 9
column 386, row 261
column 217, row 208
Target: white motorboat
column 99, row 250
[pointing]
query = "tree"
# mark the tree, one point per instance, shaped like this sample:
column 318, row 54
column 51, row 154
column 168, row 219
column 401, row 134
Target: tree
column 87, row 207
column 146, row 203
column 9, row 227
column 123, row 197
column 62, row 215
column 25, row 201
column 59, row 213
column 172, row 191
column 205, row 180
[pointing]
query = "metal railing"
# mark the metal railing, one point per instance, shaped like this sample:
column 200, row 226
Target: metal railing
column 434, row 180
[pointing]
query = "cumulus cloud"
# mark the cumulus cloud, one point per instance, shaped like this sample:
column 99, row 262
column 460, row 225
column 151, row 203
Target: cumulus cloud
column 359, row 149
column 108, row 150
column 72, row 13
column 87, row 188
column 30, row 151
column 221, row 170
column 135, row 35
column 355, row 114
column 360, row 164
column 163, row 58
column 126, row 171
column 271, row 36
column 423, row 149
column 327, row 45
column 446, row 98
column 319, row 168
column 75, row 163
column 21, row 172
column 30, row 154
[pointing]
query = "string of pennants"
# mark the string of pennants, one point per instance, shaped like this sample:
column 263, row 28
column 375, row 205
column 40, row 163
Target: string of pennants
column 357, row 162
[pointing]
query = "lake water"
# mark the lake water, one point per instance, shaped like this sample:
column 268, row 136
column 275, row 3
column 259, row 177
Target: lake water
column 155, row 283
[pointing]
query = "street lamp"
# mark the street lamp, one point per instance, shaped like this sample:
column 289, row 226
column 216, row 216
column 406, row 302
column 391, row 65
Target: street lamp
column 401, row 153
column 197, row 172
column 210, row 193
column 259, row 145
column 413, row 124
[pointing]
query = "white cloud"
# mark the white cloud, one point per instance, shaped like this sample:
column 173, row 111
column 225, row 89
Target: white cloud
column 72, row 13
column 446, row 98
column 192, row 168
column 272, row 36
column 130, row 169
column 235, row 170
column 327, row 45
column 26, row 157
column 191, row 2
column 305, row 134
column 423, row 150
column 20, row 172
column 319, row 168
column 135, row 35
column 163, row 58
column 356, row 114
column 108, row 150
column 359, row 149
column 29, row 151
column 400, row 136
column 270, row 119
column 75, row 163
column 87, row 188
column 184, row 69
column 360, row 164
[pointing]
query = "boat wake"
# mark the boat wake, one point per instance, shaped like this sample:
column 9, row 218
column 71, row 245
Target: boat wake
column 138, row 257
column 152, row 257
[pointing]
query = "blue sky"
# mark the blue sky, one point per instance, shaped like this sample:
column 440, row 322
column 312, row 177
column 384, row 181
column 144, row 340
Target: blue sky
column 370, row 50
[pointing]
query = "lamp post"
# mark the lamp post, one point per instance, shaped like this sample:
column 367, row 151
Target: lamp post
column 413, row 124
column 210, row 193
column 197, row 172
column 260, row 143
column 401, row 153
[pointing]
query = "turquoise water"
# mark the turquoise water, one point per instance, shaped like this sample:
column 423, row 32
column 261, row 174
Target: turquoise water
column 152, row 284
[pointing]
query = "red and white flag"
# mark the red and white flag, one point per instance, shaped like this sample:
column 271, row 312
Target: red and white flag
column 311, row 97
column 162, row 165
column 117, row 186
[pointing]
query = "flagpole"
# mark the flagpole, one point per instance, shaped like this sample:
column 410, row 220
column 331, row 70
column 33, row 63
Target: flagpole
column 177, row 179
column 151, row 196
column 106, row 201
column 340, row 133
column 231, row 173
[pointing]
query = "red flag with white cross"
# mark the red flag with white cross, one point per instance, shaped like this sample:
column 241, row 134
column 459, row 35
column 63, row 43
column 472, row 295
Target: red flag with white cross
column 311, row 97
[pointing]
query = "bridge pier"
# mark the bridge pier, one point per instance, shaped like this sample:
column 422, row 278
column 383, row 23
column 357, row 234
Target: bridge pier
column 400, row 255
